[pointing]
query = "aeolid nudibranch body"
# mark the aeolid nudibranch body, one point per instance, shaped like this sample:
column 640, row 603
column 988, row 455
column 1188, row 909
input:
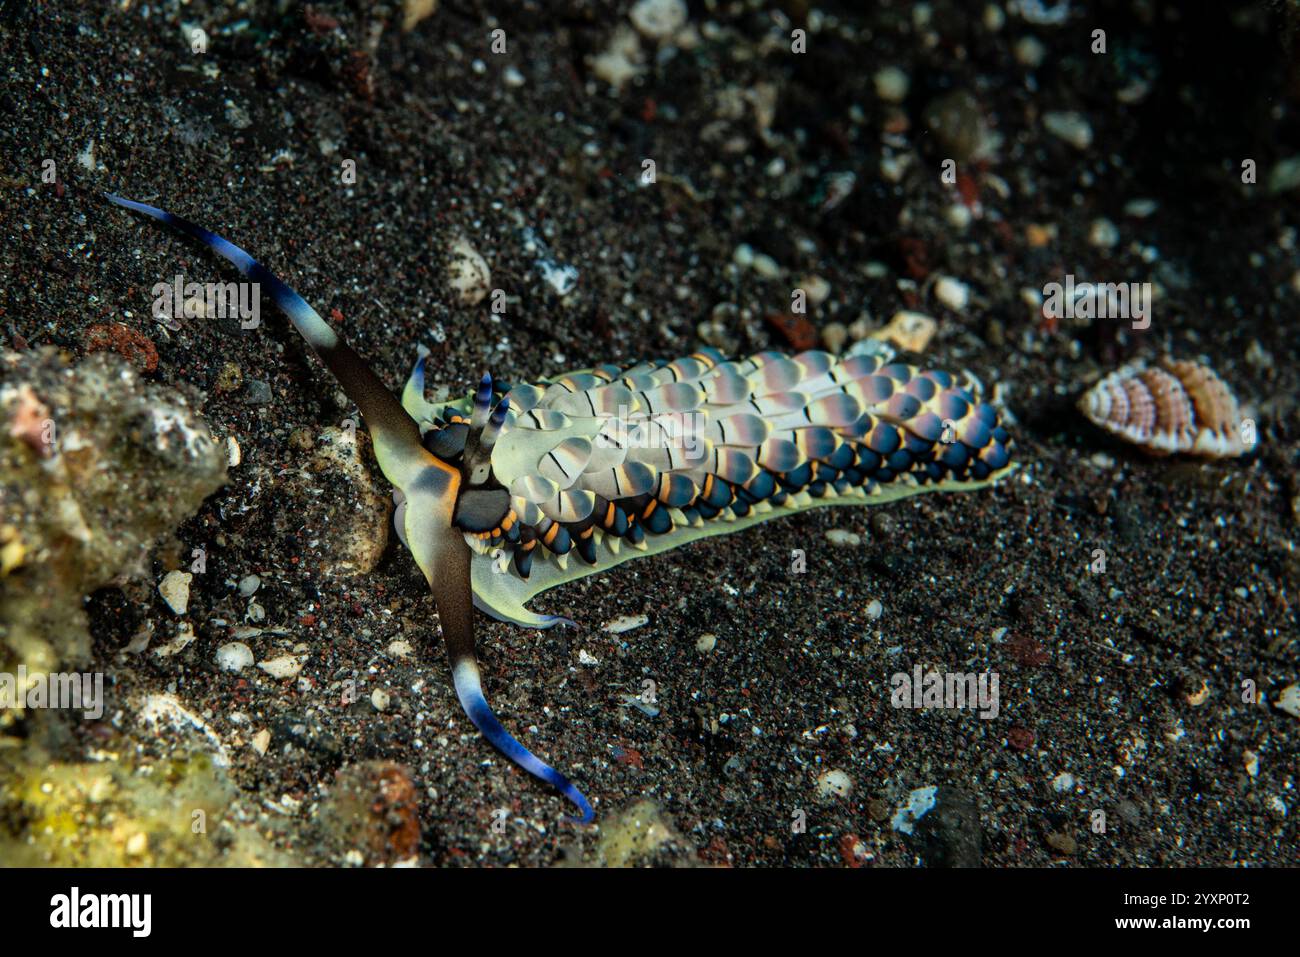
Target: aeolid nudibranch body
column 519, row 488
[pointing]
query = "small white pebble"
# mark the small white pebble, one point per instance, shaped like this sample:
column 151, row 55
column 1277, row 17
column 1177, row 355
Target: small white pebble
column 953, row 293
column 843, row 538
column 1140, row 208
column 1251, row 760
column 658, row 19
column 766, row 266
column 1063, row 782
column 1030, row 52
column 261, row 741
column 468, row 274
column 587, row 659
column 1103, row 234
column 834, row 783
column 248, row 585
column 816, row 288
column 1070, row 126
column 891, row 84
column 381, row 699
column 400, row 648
column 875, row 609
column 706, row 643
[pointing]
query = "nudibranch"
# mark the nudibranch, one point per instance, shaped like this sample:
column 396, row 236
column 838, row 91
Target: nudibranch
column 518, row 488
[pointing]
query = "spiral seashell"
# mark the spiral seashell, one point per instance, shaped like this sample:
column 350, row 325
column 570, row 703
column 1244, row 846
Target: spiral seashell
column 1181, row 407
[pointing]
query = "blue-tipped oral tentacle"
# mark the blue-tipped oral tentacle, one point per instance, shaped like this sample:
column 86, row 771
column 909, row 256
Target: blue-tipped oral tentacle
column 482, row 402
column 396, row 435
column 493, row 428
column 469, row 689
column 416, row 381
column 306, row 320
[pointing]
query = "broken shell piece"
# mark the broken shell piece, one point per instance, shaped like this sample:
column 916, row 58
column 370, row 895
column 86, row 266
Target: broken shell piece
column 910, row 331
column 625, row 623
column 1289, row 700
column 285, row 666
column 184, row 638
column 234, row 656
column 468, row 274
column 175, row 590
column 1182, row 407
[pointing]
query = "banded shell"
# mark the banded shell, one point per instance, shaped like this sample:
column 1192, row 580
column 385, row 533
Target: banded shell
column 1181, row 407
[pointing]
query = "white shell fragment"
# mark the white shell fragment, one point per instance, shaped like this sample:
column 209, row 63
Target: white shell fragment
column 953, row 293
column 468, row 274
column 285, row 666
column 1289, row 700
column 175, row 590
column 1182, row 407
column 184, row 638
column 234, row 656
column 625, row 623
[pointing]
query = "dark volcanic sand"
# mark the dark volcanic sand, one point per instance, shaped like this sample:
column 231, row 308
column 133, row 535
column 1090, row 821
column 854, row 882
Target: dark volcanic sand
column 1095, row 670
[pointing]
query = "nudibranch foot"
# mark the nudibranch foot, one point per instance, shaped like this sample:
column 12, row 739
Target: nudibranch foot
column 517, row 614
